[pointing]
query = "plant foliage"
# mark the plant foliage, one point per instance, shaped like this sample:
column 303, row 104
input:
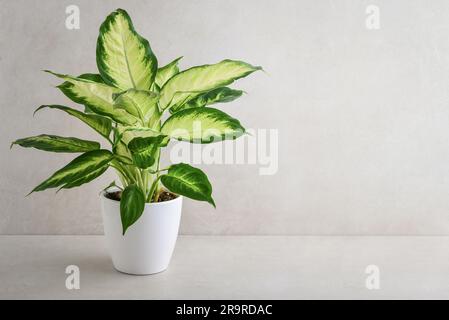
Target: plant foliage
column 125, row 103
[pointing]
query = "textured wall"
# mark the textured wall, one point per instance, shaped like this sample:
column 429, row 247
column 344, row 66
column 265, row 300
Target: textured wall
column 362, row 115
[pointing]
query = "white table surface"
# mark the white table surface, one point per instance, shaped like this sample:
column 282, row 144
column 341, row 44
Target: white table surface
column 232, row 267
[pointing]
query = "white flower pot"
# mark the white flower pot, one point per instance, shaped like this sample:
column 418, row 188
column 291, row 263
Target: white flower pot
column 148, row 244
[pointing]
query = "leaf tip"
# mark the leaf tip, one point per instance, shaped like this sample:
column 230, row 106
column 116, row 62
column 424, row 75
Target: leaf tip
column 49, row 71
column 212, row 202
column 35, row 111
column 263, row 70
column 121, row 10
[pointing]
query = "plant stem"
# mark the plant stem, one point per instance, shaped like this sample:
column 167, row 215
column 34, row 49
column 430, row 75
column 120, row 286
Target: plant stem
column 139, row 179
column 152, row 189
column 145, row 182
column 158, row 193
column 123, row 176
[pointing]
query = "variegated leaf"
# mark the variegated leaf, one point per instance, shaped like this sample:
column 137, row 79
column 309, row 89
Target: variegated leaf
column 140, row 103
column 96, row 96
column 78, row 168
column 219, row 95
column 86, row 178
column 53, row 143
column 100, row 124
column 188, row 181
column 194, row 81
column 144, row 150
column 124, row 59
column 202, row 125
column 132, row 205
column 166, row 72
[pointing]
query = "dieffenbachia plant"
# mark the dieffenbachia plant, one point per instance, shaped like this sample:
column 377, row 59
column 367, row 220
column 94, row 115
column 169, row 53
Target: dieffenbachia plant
column 126, row 103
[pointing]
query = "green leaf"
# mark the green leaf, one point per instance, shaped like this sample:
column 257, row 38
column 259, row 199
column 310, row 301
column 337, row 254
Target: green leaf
column 57, row 144
column 140, row 103
column 120, row 149
column 194, row 81
column 222, row 94
column 202, row 125
column 95, row 77
column 188, row 181
column 166, row 72
column 132, row 205
column 85, row 179
column 124, row 58
column 126, row 134
column 81, row 166
column 112, row 184
column 144, row 149
column 149, row 131
column 100, row 124
column 96, row 96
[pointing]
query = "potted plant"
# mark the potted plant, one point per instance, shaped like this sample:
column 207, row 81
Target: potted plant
column 138, row 108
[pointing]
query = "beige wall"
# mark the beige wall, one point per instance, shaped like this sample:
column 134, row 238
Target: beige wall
column 362, row 115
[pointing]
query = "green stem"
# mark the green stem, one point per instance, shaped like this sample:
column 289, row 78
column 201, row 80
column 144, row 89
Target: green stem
column 158, row 171
column 158, row 193
column 123, row 176
column 153, row 188
column 139, row 179
column 156, row 198
column 124, row 159
column 145, row 182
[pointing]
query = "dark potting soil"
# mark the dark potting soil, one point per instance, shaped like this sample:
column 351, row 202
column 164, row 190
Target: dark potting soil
column 166, row 196
column 116, row 195
column 163, row 196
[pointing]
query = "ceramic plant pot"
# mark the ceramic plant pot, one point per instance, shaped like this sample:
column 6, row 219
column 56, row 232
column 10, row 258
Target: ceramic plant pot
column 148, row 244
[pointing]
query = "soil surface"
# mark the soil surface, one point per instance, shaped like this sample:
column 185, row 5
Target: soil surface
column 163, row 196
column 116, row 195
column 166, row 196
